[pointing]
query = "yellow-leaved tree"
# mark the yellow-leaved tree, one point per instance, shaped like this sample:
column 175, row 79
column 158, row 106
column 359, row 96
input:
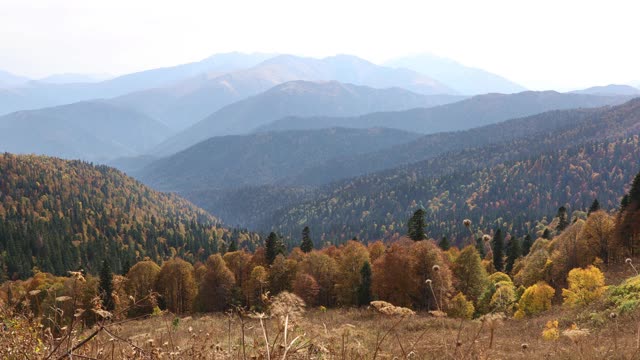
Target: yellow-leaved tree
column 535, row 299
column 585, row 286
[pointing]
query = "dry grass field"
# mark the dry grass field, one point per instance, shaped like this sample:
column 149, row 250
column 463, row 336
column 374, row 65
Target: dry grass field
column 352, row 334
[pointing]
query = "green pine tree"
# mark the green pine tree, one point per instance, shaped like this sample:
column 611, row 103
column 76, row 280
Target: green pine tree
column 274, row 246
column 563, row 219
column 307, row 244
column 595, row 206
column 480, row 248
column 526, row 244
column 416, row 226
column 444, row 243
column 634, row 193
column 497, row 247
column 624, row 202
column 514, row 251
column 233, row 246
column 364, row 290
column 106, row 286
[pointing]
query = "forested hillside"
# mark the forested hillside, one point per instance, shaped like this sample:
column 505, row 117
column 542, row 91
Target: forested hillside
column 259, row 159
column 519, row 181
column 58, row 215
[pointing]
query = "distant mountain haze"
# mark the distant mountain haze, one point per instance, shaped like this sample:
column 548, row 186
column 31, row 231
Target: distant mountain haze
column 610, row 90
column 91, row 130
column 474, row 112
column 39, row 94
column 8, row 79
column 303, row 98
column 465, row 80
column 189, row 101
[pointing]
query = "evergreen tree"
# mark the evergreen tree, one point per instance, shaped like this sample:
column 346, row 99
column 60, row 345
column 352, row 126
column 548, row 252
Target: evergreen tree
column 563, row 219
column 416, row 226
column 526, row 244
column 595, row 206
column 126, row 265
column 634, row 193
column 444, row 243
column 307, row 244
column 364, row 290
column 106, row 286
column 497, row 247
column 273, row 246
column 233, row 246
column 624, row 202
column 480, row 248
column 514, row 251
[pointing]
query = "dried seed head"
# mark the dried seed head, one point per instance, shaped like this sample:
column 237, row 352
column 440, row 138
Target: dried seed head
column 486, row 238
column 458, row 343
column 524, row 346
column 613, row 315
column 428, row 282
column 436, row 268
column 628, row 261
column 466, row 222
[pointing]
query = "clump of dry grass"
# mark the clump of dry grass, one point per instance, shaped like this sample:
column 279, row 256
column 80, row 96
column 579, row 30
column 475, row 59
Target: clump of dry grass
column 386, row 308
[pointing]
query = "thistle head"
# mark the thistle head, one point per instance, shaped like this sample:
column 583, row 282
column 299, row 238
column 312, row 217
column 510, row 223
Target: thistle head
column 435, row 268
column 466, row 222
column 486, row 238
column 524, row 346
column 628, row 261
column 428, row 281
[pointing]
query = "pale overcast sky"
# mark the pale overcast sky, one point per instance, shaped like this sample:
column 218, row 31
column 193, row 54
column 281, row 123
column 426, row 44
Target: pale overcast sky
column 539, row 44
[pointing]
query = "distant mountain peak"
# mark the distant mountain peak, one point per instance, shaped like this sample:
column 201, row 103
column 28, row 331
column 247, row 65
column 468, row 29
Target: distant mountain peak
column 609, row 90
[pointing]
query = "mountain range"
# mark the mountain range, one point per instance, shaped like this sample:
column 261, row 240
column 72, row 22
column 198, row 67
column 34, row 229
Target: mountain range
column 301, row 98
column 473, row 112
column 90, row 130
column 463, row 79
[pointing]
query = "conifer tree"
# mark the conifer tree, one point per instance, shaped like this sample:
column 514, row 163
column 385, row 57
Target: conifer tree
column 546, row 234
column 595, row 206
column 497, row 248
column 624, row 202
column 444, row 243
column 273, row 246
column 526, row 244
column 307, row 244
column 233, row 246
column 514, row 251
column 364, row 290
column 416, row 226
column 480, row 248
column 634, row 193
column 106, row 286
column 563, row 220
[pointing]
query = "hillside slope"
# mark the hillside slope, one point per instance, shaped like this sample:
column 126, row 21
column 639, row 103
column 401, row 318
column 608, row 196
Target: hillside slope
column 301, row 98
column 474, row 112
column 58, row 215
column 91, row 130
column 265, row 158
column 508, row 184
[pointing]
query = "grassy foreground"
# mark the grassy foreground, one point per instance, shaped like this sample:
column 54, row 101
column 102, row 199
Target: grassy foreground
column 345, row 334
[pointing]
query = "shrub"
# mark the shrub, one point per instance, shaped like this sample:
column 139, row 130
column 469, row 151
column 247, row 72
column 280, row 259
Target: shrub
column 460, row 307
column 535, row 299
column 626, row 296
column 585, row 286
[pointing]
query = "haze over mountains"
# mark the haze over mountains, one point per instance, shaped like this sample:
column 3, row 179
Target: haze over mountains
column 465, row 80
column 301, row 98
column 85, row 130
column 477, row 111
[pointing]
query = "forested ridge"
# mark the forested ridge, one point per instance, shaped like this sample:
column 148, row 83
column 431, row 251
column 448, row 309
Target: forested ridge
column 58, row 215
column 511, row 183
